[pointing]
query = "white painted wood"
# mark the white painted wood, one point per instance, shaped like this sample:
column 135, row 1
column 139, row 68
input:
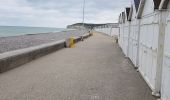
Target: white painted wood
column 121, row 35
column 151, row 46
column 148, row 49
column 124, row 35
column 148, row 34
column 165, row 86
column 166, row 69
column 134, row 37
column 109, row 31
column 126, row 28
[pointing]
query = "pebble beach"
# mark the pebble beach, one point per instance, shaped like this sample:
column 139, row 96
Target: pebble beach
column 24, row 41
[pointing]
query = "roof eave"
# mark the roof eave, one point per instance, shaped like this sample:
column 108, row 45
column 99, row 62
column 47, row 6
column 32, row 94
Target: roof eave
column 127, row 12
column 163, row 4
column 140, row 10
column 130, row 13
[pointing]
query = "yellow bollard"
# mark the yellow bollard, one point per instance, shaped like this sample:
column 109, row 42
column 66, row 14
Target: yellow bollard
column 91, row 33
column 71, row 42
column 115, row 39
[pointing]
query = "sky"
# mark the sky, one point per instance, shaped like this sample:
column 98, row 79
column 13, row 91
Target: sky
column 59, row 13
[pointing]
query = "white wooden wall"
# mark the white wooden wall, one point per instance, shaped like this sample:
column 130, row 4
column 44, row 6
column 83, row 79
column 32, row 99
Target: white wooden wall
column 125, row 38
column 120, row 36
column 148, row 34
column 165, row 89
column 133, row 38
column 109, row 31
column 143, row 36
column 166, row 66
column 148, row 48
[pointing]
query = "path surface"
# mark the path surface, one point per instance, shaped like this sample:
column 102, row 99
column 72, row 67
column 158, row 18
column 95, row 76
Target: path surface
column 95, row 70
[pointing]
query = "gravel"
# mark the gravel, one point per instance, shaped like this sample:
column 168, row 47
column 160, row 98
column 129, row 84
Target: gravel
column 24, row 41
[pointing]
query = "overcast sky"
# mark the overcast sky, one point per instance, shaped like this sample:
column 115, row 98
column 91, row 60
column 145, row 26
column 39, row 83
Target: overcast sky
column 58, row 13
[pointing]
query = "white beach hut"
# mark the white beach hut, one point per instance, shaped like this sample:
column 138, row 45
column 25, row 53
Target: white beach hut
column 165, row 90
column 110, row 29
column 121, row 30
column 134, row 33
column 151, row 43
column 126, row 30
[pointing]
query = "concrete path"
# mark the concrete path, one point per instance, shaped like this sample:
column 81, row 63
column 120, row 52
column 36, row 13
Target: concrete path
column 95, row 70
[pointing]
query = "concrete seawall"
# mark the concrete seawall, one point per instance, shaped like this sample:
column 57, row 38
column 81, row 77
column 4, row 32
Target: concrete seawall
column 13, row 59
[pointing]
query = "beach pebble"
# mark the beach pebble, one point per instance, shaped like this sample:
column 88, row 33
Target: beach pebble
column 24, row 41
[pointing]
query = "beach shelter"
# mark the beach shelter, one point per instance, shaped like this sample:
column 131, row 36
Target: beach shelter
column 120, row 36
column 134, row 33
column 125, row 29
column 165, row 89
column 151, row 43
column 119, row 25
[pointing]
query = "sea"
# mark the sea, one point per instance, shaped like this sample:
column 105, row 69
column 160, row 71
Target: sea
column 6, row 31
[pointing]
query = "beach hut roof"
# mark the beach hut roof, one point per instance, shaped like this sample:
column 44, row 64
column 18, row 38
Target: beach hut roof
column 134, row 9
column 130, row 13
column 137, row 2
column 156, row 3
column 120, row 18
column 123, row 17
column 163, row 4
column 127, row 10
column 142, row 3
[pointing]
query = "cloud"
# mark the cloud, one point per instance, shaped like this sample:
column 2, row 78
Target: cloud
column 58, row 13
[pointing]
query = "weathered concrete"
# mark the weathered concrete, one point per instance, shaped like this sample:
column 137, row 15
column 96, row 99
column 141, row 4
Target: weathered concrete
column 10, row 60
column 95, row 70
column 13, row 59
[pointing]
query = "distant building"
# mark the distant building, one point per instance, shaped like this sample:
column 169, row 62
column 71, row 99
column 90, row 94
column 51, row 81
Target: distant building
column 111, row 29
column 108, row 25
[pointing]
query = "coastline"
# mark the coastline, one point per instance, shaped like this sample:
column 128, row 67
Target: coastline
column 24, row 41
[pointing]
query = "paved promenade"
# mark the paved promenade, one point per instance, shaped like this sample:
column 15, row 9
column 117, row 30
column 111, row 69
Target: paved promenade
column 94, row 70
